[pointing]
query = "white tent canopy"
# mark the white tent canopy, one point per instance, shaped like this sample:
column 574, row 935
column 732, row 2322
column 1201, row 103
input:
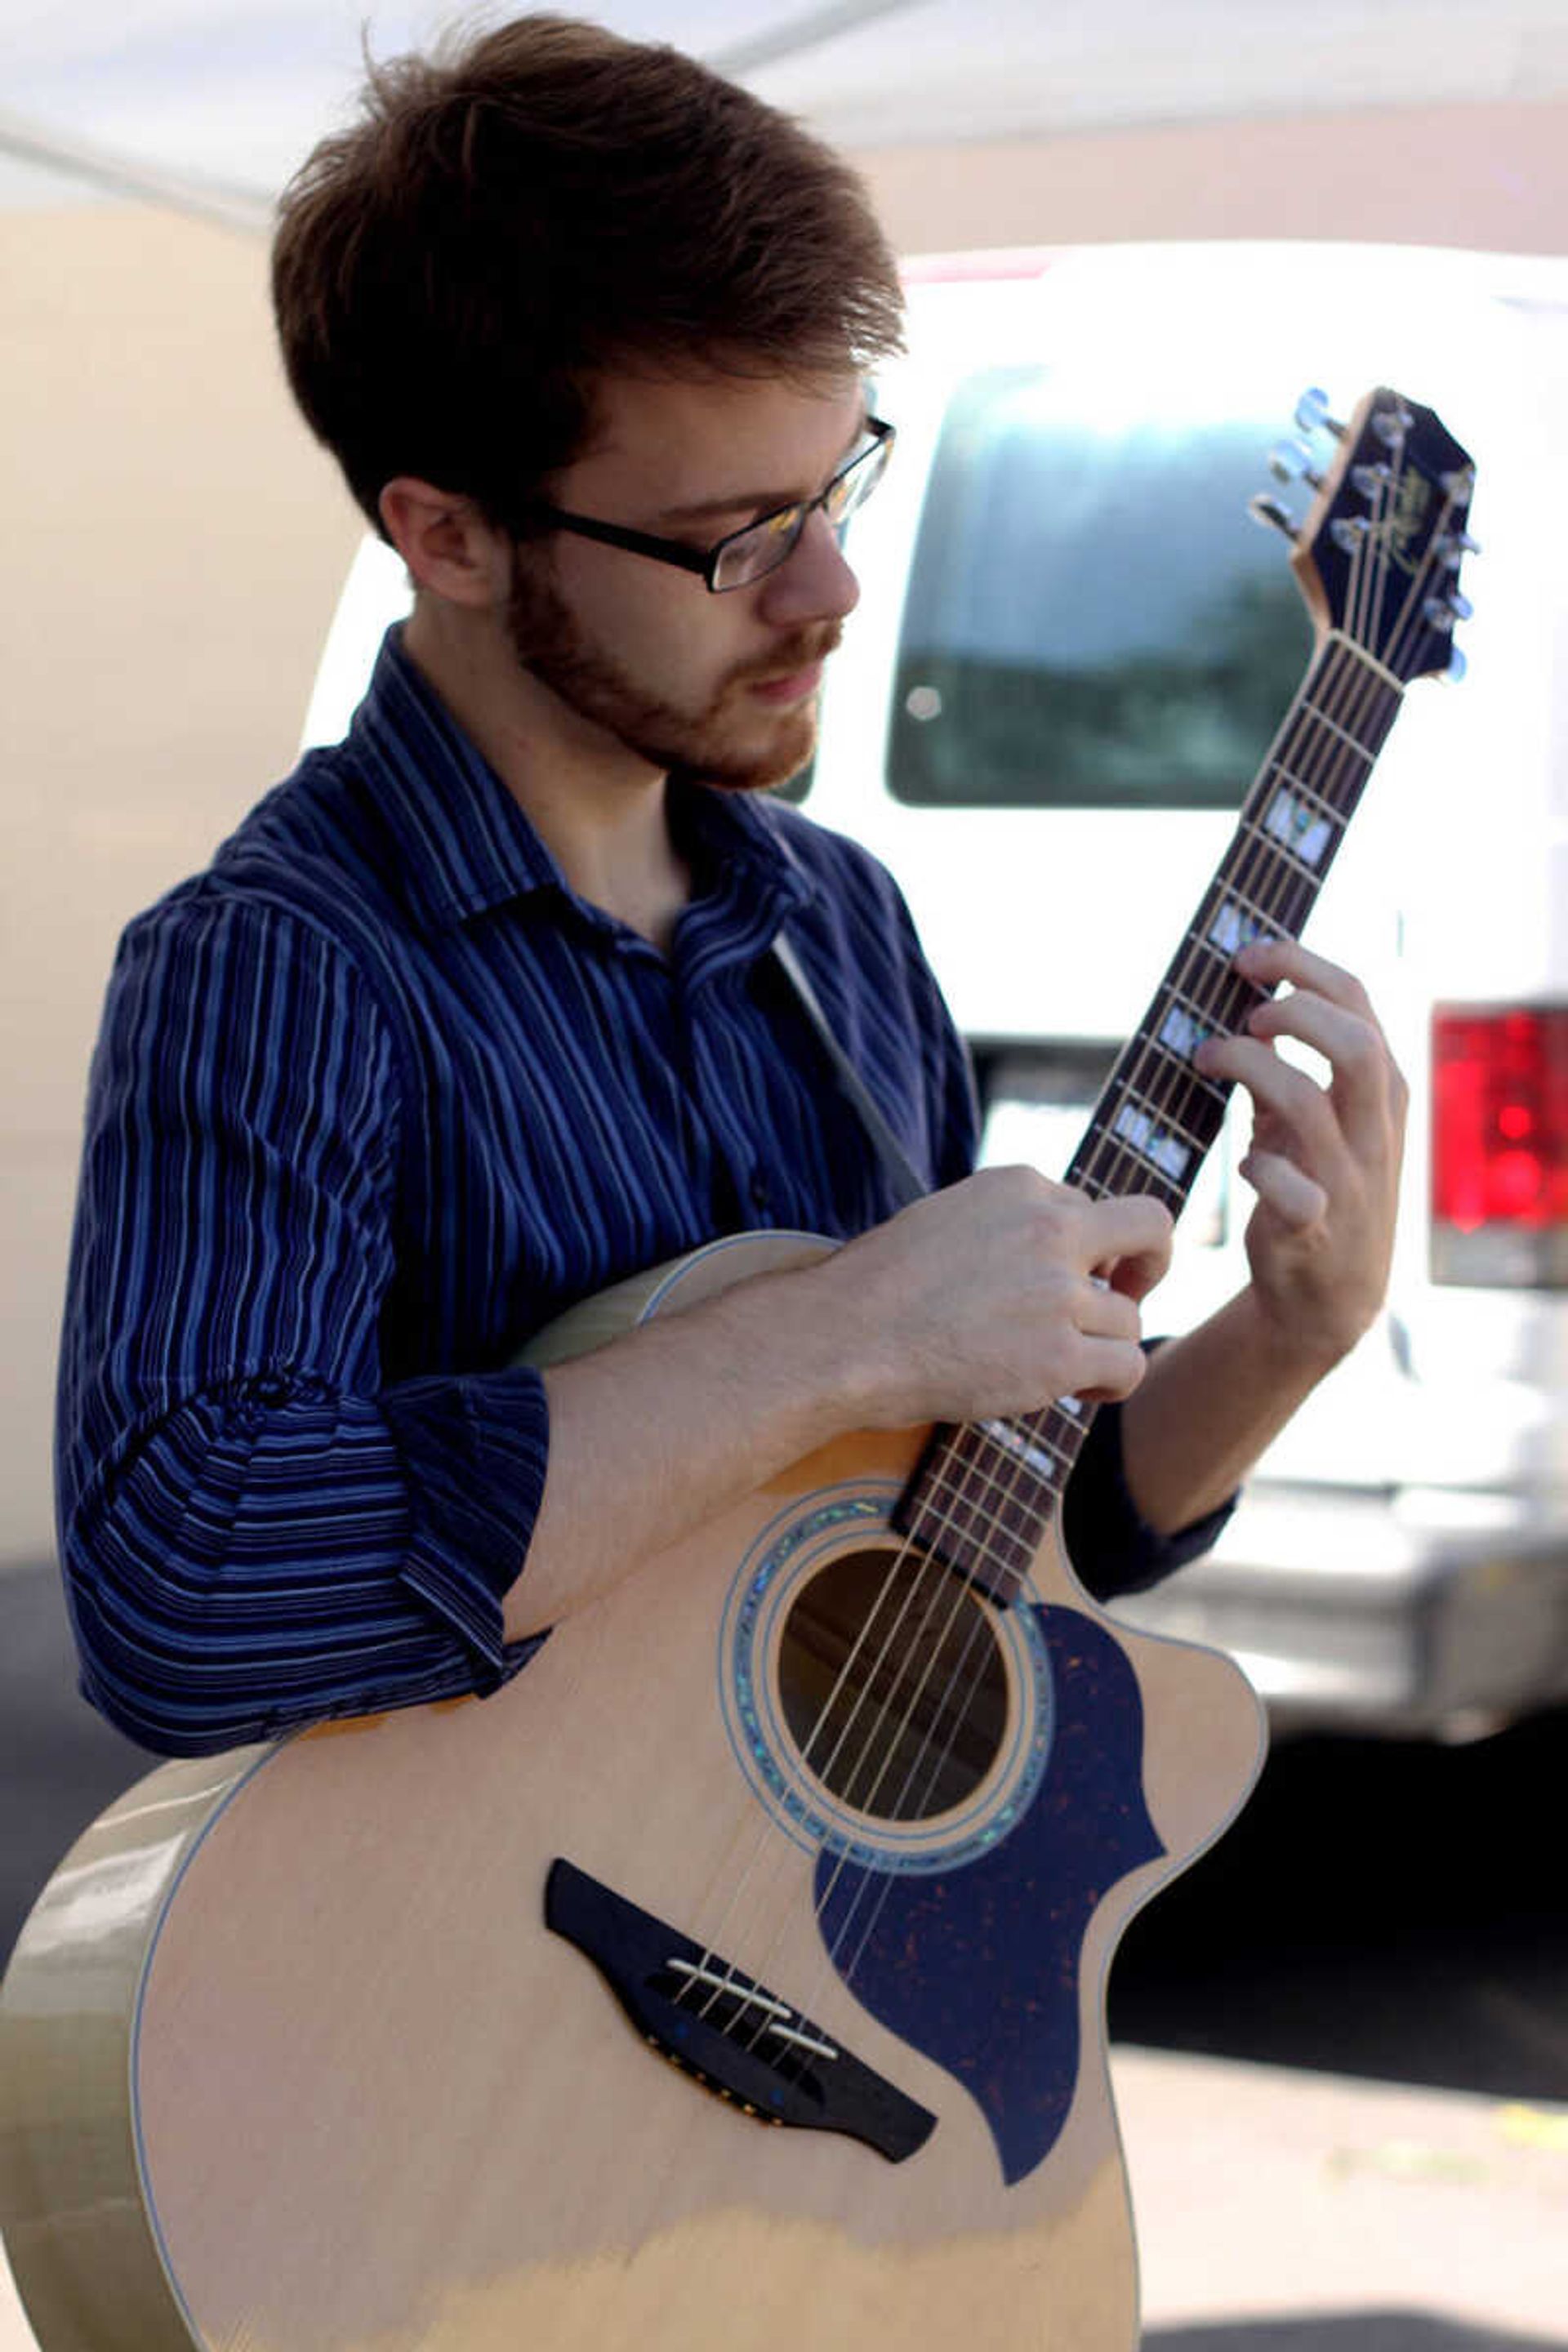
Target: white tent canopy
column 218, row 99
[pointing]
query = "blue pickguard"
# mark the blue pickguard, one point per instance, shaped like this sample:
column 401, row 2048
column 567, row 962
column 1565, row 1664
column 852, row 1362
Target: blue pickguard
column 978, row 1968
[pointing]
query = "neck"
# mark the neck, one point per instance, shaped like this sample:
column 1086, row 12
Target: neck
column 599, row 808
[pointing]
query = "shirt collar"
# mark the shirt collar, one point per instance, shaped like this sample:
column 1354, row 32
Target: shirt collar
column 465, row 846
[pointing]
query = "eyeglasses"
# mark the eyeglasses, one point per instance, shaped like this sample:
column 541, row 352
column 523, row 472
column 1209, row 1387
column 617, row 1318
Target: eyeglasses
column 751, row 554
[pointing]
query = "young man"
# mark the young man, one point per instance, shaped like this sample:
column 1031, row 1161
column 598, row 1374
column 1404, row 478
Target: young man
column 476, row 1013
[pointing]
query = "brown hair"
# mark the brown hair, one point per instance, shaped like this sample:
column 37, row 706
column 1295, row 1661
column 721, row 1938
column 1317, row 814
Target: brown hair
column 517, row 213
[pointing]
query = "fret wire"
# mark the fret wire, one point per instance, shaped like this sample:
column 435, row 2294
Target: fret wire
column 987, row 1526
column 1150, row 1179
column 1193, row 1078
column 1335, row 814
column 1254, row 853
column 985, row 1499
column 999, row 1452
column 1026, row 1437
column 1231, row 892
column 1130, row 1094
column 1280, row 848
column 1020, row 1482
column 1352, row 743
column 1314, row 756
column 1001, row 1468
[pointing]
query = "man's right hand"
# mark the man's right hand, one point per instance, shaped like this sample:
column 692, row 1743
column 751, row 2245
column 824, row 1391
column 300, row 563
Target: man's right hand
column 996, row 1296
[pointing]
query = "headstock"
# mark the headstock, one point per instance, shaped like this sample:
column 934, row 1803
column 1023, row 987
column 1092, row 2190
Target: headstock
column 1378, row 555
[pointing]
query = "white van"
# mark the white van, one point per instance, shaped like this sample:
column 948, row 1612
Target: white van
column 1072, row 650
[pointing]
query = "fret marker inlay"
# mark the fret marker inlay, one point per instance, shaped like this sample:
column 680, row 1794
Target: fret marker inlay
column 1183, row 1032
column 1232, row 929
column 1305, row 834
column 1153, row 1142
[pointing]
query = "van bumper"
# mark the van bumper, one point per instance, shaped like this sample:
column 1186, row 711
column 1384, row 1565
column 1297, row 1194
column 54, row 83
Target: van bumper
column 1400, row 1613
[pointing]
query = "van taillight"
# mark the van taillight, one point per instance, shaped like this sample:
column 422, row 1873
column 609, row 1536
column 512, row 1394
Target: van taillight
column 1499, row 1145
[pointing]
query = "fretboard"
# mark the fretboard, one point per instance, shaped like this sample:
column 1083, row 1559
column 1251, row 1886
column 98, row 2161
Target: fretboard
column 985, row 1493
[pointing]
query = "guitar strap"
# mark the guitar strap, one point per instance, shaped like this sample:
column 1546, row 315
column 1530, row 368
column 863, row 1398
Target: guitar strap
column 896, row 1163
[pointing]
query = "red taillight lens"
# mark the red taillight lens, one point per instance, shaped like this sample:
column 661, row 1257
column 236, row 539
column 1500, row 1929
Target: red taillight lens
column 1499, row 1145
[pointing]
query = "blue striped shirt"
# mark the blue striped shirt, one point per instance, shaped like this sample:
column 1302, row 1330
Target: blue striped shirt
column 376, row 1097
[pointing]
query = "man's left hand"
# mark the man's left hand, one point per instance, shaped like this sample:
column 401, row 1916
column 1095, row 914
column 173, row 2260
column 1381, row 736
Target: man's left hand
column 1325, row 1160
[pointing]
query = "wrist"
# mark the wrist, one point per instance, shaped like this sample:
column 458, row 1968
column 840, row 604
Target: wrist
column 1287, row 1341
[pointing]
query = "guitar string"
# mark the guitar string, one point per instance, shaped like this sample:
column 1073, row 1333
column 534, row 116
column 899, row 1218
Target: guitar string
column 1291, row 877
column 1149, row 1045
column 866, row 1800
column 1362, row 692
column 1252, row 849
column 1249, row 852
column 937, row 1766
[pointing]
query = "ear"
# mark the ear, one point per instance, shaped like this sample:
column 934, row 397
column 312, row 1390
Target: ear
column 446, row 543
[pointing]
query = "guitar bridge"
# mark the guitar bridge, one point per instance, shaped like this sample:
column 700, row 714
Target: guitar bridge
column 730, row 2034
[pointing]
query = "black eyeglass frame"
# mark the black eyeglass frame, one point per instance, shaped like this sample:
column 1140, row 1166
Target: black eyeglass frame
column 708, row 562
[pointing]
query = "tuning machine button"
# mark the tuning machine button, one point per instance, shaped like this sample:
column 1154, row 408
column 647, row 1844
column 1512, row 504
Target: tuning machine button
column 1350, row 533
column 1269, row 510
column 1290, row 462
column 1452, row 547
column 1313, row 413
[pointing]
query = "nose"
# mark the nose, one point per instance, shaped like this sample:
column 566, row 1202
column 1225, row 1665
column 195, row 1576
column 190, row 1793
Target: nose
column 814, row 582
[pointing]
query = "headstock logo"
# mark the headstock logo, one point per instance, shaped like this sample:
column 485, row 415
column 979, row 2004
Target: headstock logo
column 1402, row 533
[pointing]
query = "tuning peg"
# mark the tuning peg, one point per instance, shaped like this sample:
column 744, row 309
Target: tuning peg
column 1439, row 615
column 1453, row 546
column 1313, row 413
column 1371, row 482
column 1290, row 462
column 1269, row 510
column 1460, row 606
column 1350, row 533
column 1458, row 666
column 1392, row 425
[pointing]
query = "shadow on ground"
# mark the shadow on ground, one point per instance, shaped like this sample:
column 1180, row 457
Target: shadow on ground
column 1394, row 1911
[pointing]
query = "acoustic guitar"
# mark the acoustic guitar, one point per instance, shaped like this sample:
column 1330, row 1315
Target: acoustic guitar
column 732, row 1980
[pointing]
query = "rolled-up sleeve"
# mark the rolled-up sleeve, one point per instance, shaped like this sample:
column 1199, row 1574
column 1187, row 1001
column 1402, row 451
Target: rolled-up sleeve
column 1112, row 1548
column 257, row 1531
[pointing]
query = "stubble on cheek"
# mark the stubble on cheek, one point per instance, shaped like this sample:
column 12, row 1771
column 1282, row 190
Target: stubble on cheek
column 731, row 740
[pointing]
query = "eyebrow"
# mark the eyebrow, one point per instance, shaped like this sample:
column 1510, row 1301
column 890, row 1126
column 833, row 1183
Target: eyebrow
column 760, row 502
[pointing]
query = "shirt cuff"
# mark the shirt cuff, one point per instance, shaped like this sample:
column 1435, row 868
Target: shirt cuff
column 1112, row 1548
column 474, row 1451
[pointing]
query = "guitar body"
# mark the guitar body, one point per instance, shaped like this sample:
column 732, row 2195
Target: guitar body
column 294, row 2063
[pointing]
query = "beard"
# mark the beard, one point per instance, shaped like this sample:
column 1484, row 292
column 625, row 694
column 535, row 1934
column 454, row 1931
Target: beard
column 722, row 744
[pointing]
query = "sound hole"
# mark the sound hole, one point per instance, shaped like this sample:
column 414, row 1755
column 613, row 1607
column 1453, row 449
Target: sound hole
column 893, row 1685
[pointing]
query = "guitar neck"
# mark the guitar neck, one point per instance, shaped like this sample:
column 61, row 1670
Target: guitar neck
column 1156, row 1119
column 985, row 1492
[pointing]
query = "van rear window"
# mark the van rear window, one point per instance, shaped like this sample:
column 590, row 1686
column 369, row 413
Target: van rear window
column 1092, row 618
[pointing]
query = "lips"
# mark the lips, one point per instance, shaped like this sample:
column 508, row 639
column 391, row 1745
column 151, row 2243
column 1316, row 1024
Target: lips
column 797, row 675
column 794, row 688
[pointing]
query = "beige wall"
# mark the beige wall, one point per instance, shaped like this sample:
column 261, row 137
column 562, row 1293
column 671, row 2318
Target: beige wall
column 1493, row 177
column 174, row 542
